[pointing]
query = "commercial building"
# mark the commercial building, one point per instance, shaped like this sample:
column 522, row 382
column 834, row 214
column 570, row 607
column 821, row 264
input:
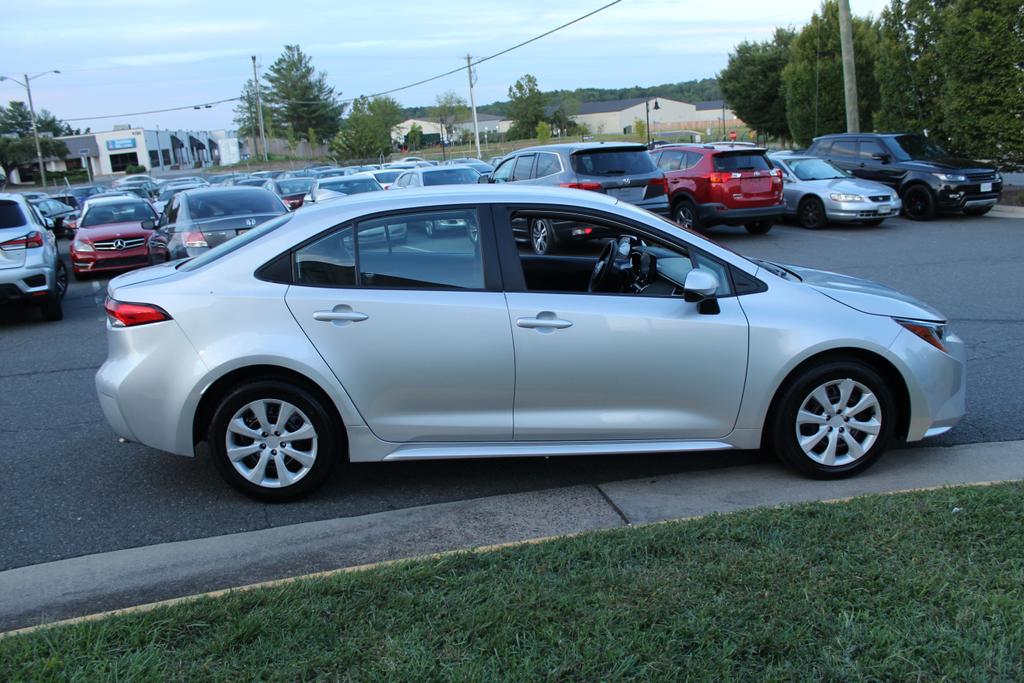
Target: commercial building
column 620, row 116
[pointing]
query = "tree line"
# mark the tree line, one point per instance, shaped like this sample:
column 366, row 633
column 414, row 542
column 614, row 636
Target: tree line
column 17, row 146
column 953, row 69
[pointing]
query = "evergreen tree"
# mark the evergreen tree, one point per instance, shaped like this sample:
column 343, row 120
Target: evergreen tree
column 299, row 97
column 246, row 119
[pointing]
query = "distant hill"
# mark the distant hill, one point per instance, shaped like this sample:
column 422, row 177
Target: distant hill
column 686, row 91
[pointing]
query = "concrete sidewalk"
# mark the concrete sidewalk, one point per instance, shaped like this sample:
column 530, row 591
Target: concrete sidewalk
column 93, row 583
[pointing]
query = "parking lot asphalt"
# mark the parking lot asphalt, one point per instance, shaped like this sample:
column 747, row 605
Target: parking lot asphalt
column 70, row 489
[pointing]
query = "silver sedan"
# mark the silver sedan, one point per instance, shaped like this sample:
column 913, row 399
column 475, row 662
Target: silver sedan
column 344, row 332
column 817, row 193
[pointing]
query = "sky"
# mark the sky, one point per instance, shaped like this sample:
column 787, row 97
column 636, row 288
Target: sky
column 125, row 56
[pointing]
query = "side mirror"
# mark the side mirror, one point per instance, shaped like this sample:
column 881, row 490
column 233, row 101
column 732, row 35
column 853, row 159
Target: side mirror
column 149, row 224
column 700, row 286
column 484, row 179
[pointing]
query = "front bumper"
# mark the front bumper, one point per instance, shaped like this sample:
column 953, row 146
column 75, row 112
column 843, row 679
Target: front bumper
column 957, row 197
column 105, row 261
column 849, row 212
column 936, row 383
column 719, row 214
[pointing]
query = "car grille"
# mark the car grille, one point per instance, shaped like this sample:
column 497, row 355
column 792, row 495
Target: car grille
column 880, row 198
column 117, row 262
column 128, row 244
column 981, row 177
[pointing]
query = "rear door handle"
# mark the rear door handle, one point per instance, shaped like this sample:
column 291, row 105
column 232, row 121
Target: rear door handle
column 340, row 315
column 546, row 321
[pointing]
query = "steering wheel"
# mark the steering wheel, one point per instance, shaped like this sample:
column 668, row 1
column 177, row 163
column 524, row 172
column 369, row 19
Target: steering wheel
column 602, row 278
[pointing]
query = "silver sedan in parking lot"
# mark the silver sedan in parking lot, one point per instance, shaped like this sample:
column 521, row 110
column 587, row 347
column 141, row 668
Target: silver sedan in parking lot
column 342, row 332
column 817, row 193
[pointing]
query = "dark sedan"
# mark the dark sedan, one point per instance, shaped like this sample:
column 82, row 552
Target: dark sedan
column 62, row 217
column 196, row 220
column 291, row 190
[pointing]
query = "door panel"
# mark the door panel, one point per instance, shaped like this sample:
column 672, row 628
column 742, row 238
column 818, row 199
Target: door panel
column 419, row 365
column 625, row 367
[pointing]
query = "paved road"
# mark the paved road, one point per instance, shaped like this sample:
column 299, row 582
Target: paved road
column 69, row 489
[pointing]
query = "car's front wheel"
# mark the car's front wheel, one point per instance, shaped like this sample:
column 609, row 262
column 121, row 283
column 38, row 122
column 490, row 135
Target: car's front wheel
column 833, row 420
column 811, row 214
column 919, row 203
column 272, row 440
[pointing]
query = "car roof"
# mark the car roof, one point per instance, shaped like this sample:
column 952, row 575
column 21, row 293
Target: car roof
column 116, row 200
column 571, row 147
column 205, row 190
column 13, row 196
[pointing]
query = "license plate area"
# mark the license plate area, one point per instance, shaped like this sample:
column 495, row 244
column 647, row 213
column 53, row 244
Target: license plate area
column 755, row 185
column 626, row 194
column 986, row 187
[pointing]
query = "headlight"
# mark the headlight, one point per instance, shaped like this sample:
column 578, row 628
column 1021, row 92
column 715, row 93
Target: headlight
column 950, row 178
column 933, row 333
column 82, row 246
column 846, row 197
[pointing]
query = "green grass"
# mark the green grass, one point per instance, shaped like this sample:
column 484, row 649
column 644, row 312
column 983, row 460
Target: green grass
column 1012, row 196
column 911, row 587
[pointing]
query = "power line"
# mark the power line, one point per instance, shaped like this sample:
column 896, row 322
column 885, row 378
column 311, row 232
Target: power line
column 378, row 94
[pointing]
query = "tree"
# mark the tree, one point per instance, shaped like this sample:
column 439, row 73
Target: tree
column 414, row 138
column 366, row 131
column 752, row 83
column 526, row 107
column 299, row 97
column 21, row 151
column 293, row 141
column 813, row 78
column 246, row 113
column 387, row 112
column 640, row 128
column 449, row 110
column 543, row 132
column 561, row 113
column 982, row 103
column 17, row 118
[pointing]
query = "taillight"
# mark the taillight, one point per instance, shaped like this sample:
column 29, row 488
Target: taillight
column 123, row 314
column 194, row 239
column 596, row 187
column 719, row 177
column 30, row 240
column 656, row 187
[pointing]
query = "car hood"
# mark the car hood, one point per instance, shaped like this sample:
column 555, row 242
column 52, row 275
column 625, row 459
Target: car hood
column 866, row 296
column 846, row 186
column 110, row 231
column 946, row 164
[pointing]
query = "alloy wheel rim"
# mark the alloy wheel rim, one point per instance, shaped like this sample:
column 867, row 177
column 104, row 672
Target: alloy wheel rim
column 916, row 202
column 62, row 279
column 812, row 216
column 838, row 422
column 684, row 216
column 540, row 236
column 271, row 443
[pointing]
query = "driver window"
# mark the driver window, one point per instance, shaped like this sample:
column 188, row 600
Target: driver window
column 504, row 171
column 563, row 253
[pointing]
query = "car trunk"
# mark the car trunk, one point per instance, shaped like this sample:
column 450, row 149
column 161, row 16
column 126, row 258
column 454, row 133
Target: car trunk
column 13, row 257
column 747, row 178
column 626, row 173
column 220, row 230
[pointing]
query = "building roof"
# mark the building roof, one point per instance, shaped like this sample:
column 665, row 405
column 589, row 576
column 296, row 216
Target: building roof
column 711, row 104
column 610, row 105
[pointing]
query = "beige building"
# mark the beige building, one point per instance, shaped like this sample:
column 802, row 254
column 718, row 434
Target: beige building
column 488, row 125
column 618, row 116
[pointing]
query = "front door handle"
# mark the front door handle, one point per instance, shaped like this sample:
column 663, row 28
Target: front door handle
column 340, row 315
column 546, row 321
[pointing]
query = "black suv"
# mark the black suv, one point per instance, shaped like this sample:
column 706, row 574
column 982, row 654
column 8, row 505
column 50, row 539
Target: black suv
column 928, row 178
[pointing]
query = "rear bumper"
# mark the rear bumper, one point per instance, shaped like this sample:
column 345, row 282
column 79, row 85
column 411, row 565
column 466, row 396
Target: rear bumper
column 719, row 214
column 29, row 282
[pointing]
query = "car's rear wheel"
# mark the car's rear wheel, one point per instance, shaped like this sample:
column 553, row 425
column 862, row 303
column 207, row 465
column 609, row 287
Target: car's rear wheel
column 919, row 203
column 542, row 237
column 685, row 214
column 273, row 441
column 811, row 214
column 833, row 420
column 53, row 307
column 758, row 227
column 978, row 211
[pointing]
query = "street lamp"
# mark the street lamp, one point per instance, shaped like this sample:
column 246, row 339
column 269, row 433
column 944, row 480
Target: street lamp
column 27, row 85
column 647, row 110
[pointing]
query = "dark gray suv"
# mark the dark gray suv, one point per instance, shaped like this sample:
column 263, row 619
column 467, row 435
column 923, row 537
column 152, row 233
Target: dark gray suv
column 621, row 170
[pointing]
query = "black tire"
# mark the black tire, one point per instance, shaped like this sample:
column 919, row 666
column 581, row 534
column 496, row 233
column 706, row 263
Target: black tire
column 811, row 214
column 978, row 211
column 685, row 213
column 919, row 203
column 874, row 223
column 759, row 227
column 782, row 422
column 543, row 239
column 326, row 429
column 53, row 308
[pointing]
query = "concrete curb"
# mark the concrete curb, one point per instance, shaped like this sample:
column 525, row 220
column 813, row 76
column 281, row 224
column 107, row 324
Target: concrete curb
column 79, row 586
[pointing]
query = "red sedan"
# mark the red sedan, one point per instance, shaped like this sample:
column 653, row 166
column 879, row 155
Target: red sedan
column 112, row 235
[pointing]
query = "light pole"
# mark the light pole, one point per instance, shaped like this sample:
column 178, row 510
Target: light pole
column 27, row 85
column 647, row 111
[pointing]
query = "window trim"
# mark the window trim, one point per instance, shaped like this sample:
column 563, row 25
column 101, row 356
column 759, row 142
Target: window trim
column 529, row 172
column 488, row 250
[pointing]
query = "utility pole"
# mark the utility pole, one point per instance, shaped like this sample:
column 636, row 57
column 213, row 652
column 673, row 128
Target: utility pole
column 472, row 103
column 35, row 131
column 849, row 67
column 259, row 108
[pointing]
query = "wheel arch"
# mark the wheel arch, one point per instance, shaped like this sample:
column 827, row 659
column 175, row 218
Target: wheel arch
column 250, row 373
column 889, row 372
column 682, row 196
column 914, row 181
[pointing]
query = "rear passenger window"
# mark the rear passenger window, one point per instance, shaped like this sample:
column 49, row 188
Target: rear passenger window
column 523, row 166
column 547, row 164
column 328, row 262
column 844, row 148
column 692, row 159
column 671, row 160
column 869, row 148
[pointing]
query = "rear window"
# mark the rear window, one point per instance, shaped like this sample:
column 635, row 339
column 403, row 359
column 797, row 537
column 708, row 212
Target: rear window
column 741, row 162
column 294, row 186
column 613, row 162
column 450, row 176
column 387, row 176
column 350, row 185
column 11, row 215
column 225, row 248
column 233, row 203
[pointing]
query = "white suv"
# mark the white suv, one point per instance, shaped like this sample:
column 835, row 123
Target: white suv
column 30, row 267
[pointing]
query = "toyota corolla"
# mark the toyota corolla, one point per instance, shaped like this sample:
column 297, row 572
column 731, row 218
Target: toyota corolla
column 344, row 332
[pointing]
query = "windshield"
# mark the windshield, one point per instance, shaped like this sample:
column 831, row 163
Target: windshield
column 613, row 162
column 218, row 204
column 297, row 186
column 120, row 212
column 351, row 185
column 917, row 147
column 225, row 248
column 450, row 176
column 814, row 169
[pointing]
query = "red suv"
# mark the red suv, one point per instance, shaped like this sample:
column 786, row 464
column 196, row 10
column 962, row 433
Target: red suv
column 721, row 185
